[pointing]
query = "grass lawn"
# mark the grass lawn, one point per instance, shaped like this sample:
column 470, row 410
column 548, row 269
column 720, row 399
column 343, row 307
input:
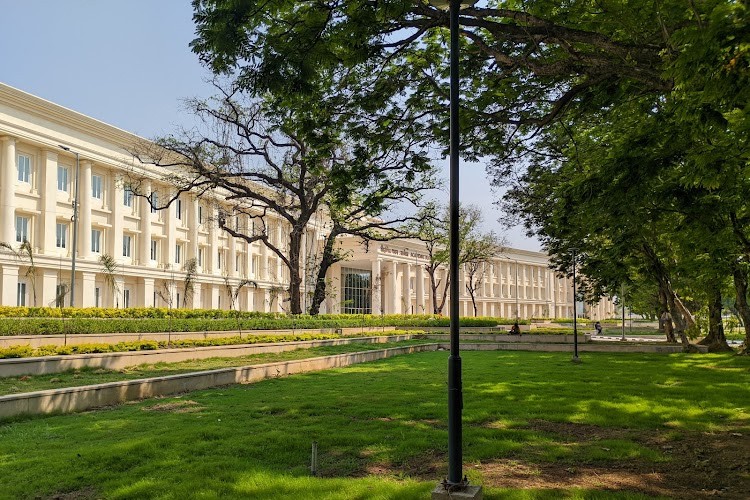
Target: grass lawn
column 536, row 426
column 88, row 376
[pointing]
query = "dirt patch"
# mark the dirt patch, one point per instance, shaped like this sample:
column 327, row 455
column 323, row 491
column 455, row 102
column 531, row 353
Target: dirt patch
column 87, row 493
column 701, row 465
column 182, row 406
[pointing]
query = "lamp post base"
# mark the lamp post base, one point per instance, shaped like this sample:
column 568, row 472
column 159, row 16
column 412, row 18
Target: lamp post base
column 466, row 493
column 575, row 359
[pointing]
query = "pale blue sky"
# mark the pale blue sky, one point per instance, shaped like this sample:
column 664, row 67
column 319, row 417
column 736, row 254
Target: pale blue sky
column 128, row 63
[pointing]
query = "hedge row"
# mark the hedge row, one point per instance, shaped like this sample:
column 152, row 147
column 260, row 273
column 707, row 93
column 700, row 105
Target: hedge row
column 82, row 325
column 162, row 313
column 26, row 351
column 150, row 345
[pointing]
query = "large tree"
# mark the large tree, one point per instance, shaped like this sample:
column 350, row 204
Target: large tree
column 477, row 248
column 290, row 163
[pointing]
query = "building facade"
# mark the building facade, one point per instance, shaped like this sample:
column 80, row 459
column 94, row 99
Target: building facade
column 39, row 141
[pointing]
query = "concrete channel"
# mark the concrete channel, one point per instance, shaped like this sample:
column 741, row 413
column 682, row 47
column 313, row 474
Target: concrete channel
column 73, row 399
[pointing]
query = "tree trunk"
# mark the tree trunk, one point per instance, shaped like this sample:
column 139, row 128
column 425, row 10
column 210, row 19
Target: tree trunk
column 473, row 301
column 740, row 303
column 326, row 261
column 664, row 313
column 715, row 340
column 295, row 277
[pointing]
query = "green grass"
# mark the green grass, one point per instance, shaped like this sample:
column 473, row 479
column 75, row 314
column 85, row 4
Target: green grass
column 381, row 428
column 88, row 376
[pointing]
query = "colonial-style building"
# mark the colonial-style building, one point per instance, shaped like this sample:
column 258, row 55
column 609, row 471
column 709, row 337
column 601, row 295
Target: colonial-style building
column 43, row 146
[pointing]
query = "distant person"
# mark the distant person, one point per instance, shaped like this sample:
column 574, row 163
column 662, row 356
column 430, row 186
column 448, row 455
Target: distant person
column 598, row 328
column 515, row 329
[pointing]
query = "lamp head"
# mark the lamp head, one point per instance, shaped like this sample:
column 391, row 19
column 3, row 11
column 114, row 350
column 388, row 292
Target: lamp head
column 446, row 4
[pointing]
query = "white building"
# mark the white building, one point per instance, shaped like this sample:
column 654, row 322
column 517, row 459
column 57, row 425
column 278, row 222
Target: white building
column 151, row 247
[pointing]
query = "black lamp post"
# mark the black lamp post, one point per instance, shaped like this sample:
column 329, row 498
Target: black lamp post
column 455, row 479
column 575, row 359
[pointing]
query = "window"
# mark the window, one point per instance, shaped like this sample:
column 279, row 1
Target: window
column 254, row 264
column 22, row 229
column 153, row 249
column 21, row 294
column 61, row 234
column 218, row 260
column 62, row 178
column 200, row 257
column 126, row 241
column 96, row 186
column 155, row 295
column 177, row 254
column 178, row 208
column 96, row 240
column 237, row 262
column 154, row 203
column 60, row 292
column 24, row 168
column 97, row 297
column 127, row 197
column 126, row 298
column 200, row 214
column 178, row 299
column 356, row 291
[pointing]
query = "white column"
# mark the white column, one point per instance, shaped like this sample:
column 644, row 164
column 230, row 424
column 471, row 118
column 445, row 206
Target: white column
column 147, row 290
column 49, row 288
column 195, row 302
column 116, row 207
column 145, row 241
column 10, row 285
column 84, row 217
column 405, row 290
column 232, row 264
column 377, row 287
column 263, row 264
column 191, row 250
column 215, row 293
column 47, row 171
column 213, row 241
column 420, row 289
column 392, row 293
column 117, row 300
column 8, row 178
column 88, row 283
column 171, row 224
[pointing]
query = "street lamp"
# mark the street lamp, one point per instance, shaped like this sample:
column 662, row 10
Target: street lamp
column 456, row 481
column 575, row 359
column 75, row 227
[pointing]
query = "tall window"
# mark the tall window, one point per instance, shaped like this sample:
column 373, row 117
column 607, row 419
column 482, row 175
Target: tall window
column 24, row 168
column 126, row 244
column 200, row 257
column 62, row 178
column 177, row 254
column 126, row 298
column 21, row 294
column 218, row 260
column 178, row 208
column 127, row 197
column 153, row 249
column 61, row 235
column 154, row 202
column 97, row 297
column 22, row 229
column 237, row 262
column 96, row 240
column 96, row 186
column 357, row 287
column 200, row 214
